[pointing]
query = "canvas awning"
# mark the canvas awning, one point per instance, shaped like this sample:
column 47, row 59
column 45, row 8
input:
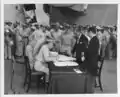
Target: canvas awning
column 99, row 14
column 76, row 7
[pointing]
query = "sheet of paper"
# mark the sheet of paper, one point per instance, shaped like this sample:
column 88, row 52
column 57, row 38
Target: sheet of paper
column 72, row 64
column 60, row 64
column 77, row 71
column 65, row 58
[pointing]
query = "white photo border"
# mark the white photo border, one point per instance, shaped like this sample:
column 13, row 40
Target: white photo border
column 56, row 1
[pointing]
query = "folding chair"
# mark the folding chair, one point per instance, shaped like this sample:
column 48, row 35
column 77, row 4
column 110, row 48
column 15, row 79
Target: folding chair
column 29, row 73
column 100, row 65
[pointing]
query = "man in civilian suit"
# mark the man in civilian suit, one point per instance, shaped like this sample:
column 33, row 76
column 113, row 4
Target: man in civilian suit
column 91, row 62
column 80, row 47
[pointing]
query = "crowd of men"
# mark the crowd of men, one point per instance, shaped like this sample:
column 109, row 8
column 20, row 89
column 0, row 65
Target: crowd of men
column 83, row 42
column 64, row 34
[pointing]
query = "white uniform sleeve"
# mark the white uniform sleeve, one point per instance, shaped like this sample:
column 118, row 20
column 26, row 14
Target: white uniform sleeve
column 38, row 46
column 46, row 53
column 30, row 56
column 29, row 52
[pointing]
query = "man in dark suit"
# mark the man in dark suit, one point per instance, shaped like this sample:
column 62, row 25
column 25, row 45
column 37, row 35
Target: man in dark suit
column 91, row 62
column 80, row 47
column 92, row 51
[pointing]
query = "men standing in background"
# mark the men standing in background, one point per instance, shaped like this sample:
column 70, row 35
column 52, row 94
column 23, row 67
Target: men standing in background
column 67, row 41
column 19, row 40
column 56, row 35
column 106, row 41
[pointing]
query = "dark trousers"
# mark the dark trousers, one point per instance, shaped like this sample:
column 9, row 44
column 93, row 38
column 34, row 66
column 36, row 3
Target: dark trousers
column 90, row 83
column 90, row 79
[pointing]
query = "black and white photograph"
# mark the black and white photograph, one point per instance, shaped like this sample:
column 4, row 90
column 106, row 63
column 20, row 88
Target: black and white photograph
column 60, row 48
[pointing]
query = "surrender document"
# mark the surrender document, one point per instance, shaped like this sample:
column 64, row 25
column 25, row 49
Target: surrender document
column 65, row 58
column 67, row 63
